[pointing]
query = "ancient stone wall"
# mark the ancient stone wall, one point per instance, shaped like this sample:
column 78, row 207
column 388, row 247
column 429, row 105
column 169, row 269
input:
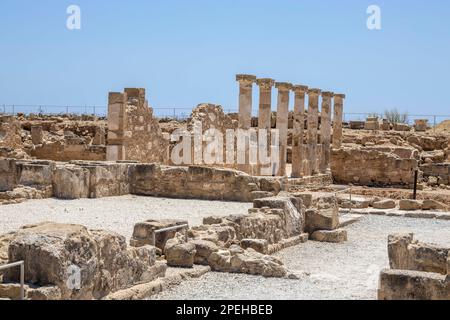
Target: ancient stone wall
column 372, row 167
column 134, row 134
column 10, row 133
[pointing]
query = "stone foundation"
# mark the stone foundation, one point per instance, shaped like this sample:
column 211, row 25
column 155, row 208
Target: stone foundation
column 418, row 271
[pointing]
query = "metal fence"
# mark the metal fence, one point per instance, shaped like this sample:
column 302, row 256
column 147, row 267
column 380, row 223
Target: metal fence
column 433, row 119
column 175, row 113
column 179, row 113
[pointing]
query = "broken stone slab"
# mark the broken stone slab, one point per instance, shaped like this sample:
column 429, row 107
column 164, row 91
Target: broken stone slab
column 412, row 285
column 11, row 291
column 410, row 205
column 355, row 202
column 325, row 219
column 384, row 204
column 259, row 245
column 179, row 254
column 333, row 236
column 53, row 253
column 144, row 232
column 47, row 293
column 238, row 260
column 405, row 253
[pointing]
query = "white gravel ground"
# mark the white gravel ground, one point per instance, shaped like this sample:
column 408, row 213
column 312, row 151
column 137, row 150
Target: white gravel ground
column 336, row 271
column 117, row 214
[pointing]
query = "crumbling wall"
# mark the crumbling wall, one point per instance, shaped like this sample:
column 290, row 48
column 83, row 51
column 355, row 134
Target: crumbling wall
column 373, row 167
column 193, row 182
column 418, row 271
column 10, row 133
column 55, row 253
column 134, row 134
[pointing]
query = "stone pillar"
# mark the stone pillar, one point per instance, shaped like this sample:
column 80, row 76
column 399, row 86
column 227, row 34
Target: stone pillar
column 245, row 112
column 37, row 136
column 265, row 108
column 337, row 120
column 117, row 105
column 325, row 131
column 313, row 123
column 298, row 156
column 282, row 123
column 245, row 100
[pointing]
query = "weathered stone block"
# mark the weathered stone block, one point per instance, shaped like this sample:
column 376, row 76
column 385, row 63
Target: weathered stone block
column 203, row 250
column 325, row 219
column 259, row 245
column 384, row 204
column 179, row 254
column 333, row 236
column 410, row 205
column 412, row 285
column 70, row 182
column 143, row 233
column 54, row 252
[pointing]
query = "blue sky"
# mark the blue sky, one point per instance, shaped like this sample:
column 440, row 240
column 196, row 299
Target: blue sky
column 188, row 52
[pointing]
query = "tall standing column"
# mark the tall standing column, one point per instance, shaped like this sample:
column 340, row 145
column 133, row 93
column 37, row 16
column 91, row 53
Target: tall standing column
column 313, row 123
column 265, row 111
column 298, row 156
column 245, row 113
column 325, row 131
column 337, row 120
column 282, row 123
column 117, row 104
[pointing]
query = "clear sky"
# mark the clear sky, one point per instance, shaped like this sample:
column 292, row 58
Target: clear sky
column 188, row 52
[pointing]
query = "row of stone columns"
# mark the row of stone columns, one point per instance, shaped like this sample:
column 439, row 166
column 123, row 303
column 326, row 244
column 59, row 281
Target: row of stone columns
column 307, row 158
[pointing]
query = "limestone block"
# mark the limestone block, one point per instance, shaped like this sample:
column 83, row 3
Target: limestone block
column 179, row 254
column 325, row 219
column 203, row 250
column 143, row 232
column 384, row 204
column 355, row 202
column 407, row 254
column 421, row 125
column 8, row 174
column 259, row 245
column 410, row 205
column 412, row 285
column 54, row 252
column 401, row 127
column 433, row 205
column 47, row 293
column 37, row 136
column 70, row 182
column 238, row 260
column 333, row 236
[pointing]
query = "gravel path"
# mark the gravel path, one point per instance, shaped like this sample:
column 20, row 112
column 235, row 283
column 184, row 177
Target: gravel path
column 343, row 271
column 117, row 214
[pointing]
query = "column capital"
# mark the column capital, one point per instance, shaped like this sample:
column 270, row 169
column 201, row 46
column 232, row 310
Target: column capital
column 283, row 86
column 342, row 96
column 246, row 78
column 265, row 83
column 300, row 89
column 314, row 91
column 327, row 94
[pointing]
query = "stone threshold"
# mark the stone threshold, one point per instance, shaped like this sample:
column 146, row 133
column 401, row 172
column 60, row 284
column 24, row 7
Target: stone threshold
column 173, row 277
column 399, row 213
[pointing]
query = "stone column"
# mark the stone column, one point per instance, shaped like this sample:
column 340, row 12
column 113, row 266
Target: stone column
column 265, row 108
column 282, row 123
column 245, row 100
column 325, row 131
column 313, row 123
column 298, row 156
column 117, row 104
column 245, row 112
column 337, row 120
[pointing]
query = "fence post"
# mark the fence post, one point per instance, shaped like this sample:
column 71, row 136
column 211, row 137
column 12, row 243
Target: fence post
column 13, row 113
column 67, row 111
column 4, row 108
column 435, row 124
column 94, row 111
